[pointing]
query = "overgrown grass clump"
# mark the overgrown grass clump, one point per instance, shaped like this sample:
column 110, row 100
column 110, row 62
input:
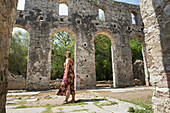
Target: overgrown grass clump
column 144, row 102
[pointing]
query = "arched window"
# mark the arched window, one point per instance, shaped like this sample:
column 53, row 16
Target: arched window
column 133, row 18
column 63, row 9
column 21, row 5
column 101, row 15
column 19, row 51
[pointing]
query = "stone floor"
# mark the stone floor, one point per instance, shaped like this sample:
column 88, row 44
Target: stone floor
column 87, row 101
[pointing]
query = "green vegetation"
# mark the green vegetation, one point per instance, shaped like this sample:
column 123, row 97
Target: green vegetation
column 80, row 110
column 132, row 110
column 18, row 53
column 22, row 102
column 22, row 106
column 60, row 109
column 48, row 105
column 48, row 110
column 144, row 102
column 103, row 59
column 61, row 42
column 136, row 49
column 97, row 102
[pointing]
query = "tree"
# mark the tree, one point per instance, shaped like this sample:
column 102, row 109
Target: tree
column 136, row 49
column 18, row 53
column 61, row 42
column 103, row 58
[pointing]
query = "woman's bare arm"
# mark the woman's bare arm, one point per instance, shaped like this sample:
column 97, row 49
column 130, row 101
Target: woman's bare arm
column 67, row 66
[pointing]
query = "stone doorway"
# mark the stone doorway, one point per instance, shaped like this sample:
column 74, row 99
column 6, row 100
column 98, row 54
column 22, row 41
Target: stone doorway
column 103, row 61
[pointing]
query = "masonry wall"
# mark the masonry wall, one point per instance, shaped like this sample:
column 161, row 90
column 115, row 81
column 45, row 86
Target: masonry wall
column 155, row 14
column 16, row 82
column 41, row 18
column 7, row 17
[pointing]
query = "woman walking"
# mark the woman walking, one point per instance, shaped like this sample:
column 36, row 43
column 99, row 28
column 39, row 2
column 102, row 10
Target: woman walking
column 67, row 86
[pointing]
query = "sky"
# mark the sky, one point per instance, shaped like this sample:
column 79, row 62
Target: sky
column 21, row 5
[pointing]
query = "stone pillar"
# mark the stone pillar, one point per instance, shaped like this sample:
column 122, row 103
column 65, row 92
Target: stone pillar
column 155, row 14
column 85, row 62
column 7, row 18
column 39, row 57
column 123, row 72
column 147, row 76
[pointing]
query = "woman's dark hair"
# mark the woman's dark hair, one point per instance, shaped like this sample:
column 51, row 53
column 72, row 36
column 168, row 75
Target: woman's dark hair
column 68, row 53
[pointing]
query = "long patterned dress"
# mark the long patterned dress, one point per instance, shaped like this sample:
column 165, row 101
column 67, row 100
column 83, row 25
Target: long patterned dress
column 66, row 82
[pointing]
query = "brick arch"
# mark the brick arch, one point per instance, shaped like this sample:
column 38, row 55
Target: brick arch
column 20, row 26
column 63, row 29
column 106, row 33
column 63, row 2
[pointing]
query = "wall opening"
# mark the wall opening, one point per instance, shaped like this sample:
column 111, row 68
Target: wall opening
column 133, row 18
column 101, row 15
column 19, row 51
column 63, row 9
column 21, row 5
column 103, row 61
column 61, row 42
column 137, row 61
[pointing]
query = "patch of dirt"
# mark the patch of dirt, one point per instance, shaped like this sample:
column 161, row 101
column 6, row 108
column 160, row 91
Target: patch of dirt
column 130, row 95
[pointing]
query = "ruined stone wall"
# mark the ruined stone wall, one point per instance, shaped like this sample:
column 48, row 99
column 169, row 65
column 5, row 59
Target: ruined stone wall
column 155, row 14
column 16, row 82
column 41, row 18
column 7, row 17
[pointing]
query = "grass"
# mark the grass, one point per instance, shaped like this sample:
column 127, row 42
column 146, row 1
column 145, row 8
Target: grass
column 96, row 102
column 60, row 109
column 22, row 102
column 48, row 110
column 80, row 110
column 22, row 106
column 132, row 110
column 144, row 102
column 71, row 104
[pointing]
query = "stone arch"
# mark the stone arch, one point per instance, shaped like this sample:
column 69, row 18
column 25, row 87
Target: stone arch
column 111, row 37
column 65, row 29
column 63, row 2
column 140, row 36
column 26, row 29
column 23, row 27
column 62, row 30
column 22, row 24
column 104, row 32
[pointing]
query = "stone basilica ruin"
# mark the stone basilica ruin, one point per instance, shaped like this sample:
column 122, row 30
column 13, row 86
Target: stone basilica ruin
column 42, row 20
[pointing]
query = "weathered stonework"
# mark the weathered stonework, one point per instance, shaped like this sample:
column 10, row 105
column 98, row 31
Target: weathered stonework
column 41, row 18
column 7, row 17
column 155, row 14
column 16, row 82
column 156, row 18
column 138, row 71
